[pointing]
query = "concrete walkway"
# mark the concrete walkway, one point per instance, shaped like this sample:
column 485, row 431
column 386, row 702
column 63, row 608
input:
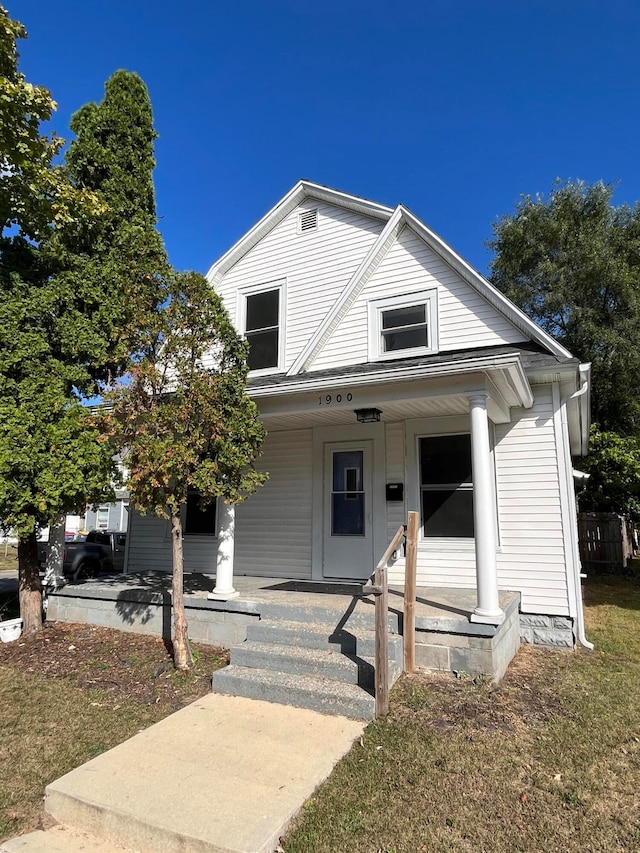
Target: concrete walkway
column 224, row 774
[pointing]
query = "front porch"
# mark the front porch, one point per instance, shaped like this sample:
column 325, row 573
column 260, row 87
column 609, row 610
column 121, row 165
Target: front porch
column 446, row 637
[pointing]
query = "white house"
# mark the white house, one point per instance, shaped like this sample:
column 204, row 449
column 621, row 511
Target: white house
column 391, row 376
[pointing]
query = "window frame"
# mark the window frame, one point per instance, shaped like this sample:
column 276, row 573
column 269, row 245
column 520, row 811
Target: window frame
column 185, row 518
column 243, row 296
column 102, row 509
column 377, row 307
column 466, row 486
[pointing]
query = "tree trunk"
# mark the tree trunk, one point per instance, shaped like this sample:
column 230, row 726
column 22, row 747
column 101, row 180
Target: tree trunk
column 54, row 575
column 30, row 590
column 182, row 657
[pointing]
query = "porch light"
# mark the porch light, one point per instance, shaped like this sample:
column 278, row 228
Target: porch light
column 368, row 416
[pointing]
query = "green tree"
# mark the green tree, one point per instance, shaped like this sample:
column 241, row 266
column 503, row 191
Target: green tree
column 613, row 464
column 81, row 272
column 572, row 262
column 186, row 420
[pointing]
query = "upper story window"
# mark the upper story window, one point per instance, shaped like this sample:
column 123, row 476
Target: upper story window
column 262, row 310
column 403, row 325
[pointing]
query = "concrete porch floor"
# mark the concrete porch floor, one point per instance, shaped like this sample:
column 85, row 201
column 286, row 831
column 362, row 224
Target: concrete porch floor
column 446, row 639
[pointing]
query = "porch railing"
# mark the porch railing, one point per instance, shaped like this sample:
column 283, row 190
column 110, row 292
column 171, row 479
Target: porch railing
column 378, row 584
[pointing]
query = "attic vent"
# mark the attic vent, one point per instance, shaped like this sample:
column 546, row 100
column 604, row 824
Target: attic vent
column 307, row 221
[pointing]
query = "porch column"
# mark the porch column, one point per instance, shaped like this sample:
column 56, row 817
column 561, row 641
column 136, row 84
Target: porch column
column 488, row 609
column 224, row 590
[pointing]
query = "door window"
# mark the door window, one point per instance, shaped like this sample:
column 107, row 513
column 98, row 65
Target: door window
column 347, row 494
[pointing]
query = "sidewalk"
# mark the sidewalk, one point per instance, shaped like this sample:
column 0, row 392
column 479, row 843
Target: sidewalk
column 225, row 774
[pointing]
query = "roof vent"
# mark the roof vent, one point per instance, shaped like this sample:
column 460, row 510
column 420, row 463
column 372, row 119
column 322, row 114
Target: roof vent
column 307, row 221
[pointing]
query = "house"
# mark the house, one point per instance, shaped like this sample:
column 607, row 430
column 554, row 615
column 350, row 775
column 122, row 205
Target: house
column 391, row 376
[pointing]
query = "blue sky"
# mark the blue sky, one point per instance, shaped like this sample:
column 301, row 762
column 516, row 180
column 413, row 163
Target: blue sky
column 452, row 108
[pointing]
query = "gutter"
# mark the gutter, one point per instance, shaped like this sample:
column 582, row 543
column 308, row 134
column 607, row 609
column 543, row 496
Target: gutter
column 577, row 566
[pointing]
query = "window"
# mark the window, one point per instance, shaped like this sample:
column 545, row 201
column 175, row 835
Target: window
column 102, row 518
column 446, row 487
column 199, row 521
column 401, row 326
column 262, row 328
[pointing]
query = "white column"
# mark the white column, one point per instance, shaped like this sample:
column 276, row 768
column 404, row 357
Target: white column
column 484, row 515
column 224, row 590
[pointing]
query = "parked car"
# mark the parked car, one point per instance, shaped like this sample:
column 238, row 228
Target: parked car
column 101, row 551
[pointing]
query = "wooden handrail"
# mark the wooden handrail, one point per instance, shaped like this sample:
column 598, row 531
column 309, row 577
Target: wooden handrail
column 380, row 589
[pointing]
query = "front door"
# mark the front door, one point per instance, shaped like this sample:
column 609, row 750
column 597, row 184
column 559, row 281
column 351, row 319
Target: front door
column 348, row 511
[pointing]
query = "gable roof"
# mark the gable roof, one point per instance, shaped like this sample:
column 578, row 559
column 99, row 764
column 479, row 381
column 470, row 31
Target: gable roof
column 302, row 191
column 395, row 220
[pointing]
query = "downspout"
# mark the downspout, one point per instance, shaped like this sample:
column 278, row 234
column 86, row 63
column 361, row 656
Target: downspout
column 577, row 574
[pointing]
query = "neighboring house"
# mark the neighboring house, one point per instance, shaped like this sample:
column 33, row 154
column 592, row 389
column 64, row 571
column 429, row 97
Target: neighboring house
column 111, row 516
column 391, row 376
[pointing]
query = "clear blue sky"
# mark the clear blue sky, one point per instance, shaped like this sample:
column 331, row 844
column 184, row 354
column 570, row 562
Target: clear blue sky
column 453, row 107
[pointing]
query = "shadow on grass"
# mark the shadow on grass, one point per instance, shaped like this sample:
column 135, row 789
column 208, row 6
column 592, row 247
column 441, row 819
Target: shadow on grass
column 612, row 589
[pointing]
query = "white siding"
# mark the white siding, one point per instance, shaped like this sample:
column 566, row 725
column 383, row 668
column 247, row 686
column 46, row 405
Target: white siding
column 531, row 557
column 396, row 514
column 466, row 319
column 273, row 527
column 150, row 547
column 317, row 266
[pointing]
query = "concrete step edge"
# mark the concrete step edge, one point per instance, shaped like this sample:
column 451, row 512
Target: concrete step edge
column 320, row 694
column 119, row 827
column 289, row 659
column 61, row 839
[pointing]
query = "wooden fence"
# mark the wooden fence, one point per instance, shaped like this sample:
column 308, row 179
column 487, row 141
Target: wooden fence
column 607, row 541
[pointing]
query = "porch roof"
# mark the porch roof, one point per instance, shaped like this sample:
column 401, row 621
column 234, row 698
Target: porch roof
column 431, row 386
column 531, row 355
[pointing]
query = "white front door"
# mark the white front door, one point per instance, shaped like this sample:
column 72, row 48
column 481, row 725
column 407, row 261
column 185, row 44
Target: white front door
column 348, row 510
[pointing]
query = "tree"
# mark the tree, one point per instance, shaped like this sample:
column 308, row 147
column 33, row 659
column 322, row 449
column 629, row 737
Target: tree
column 613, row 464
column 78, row 243
column 186, row 420
column 572, row 262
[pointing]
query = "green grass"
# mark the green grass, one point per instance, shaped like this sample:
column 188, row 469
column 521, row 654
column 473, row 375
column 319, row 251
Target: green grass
column 550, row 761
column 8, row 561
column 58, row 711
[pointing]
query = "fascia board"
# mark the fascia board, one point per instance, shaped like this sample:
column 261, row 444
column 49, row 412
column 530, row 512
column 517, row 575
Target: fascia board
column 297, row 194
column 477, row 365
column 485, row 288
column 349, row 294
column 276, row 214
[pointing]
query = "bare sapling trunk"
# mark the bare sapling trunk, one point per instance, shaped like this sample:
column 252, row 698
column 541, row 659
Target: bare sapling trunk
column 54, row 575
column 182, row 657
column 30, row 590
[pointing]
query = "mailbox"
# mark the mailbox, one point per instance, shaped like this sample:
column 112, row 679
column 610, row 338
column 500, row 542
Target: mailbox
column 395, row 491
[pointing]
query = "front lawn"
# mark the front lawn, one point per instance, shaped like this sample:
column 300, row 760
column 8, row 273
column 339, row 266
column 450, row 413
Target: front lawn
column 74, row 691
column 549, row 761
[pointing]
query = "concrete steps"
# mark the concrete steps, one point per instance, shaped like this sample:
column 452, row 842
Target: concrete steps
column 311, row 657
column 326, row 695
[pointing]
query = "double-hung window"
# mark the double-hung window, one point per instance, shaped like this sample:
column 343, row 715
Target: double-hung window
column 262, row 327
column 401, row 326
column 446, row 486
column 199, row 520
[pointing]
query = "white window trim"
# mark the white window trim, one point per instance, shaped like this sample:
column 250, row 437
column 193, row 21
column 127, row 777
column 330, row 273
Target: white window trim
column 428, row 298
column 241, row 314
column 418, row 428
column 102, row 509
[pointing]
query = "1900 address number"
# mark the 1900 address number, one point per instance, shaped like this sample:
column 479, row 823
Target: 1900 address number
column 327, row 399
